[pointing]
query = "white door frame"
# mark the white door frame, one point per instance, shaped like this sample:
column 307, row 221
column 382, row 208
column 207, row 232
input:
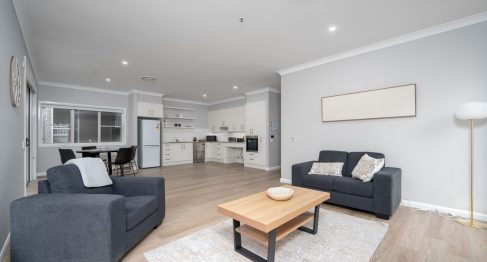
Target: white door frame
column 32, row 132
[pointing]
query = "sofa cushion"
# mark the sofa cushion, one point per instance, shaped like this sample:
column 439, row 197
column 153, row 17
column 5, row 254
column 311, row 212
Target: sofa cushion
column 137, row 208
column 323, row 182
column 367, row 167
column 335, row 156
column 67, row 179
column 354, row 157
column 331, row 169
column 353, row 186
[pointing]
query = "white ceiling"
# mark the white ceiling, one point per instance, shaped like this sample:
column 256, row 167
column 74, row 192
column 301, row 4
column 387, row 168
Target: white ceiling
column 197, row 45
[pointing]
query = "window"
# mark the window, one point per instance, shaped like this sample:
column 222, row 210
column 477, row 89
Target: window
column 73, row 124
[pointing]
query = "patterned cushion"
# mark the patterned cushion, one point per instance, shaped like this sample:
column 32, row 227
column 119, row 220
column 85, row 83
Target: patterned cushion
column 367, row 167
column 331, row 169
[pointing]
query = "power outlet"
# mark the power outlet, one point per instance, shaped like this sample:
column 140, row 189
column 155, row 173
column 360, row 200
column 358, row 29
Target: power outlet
column 293, row 139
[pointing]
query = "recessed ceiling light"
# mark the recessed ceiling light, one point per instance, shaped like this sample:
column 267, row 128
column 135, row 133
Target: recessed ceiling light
column 125, row 62
column 108, row 79
column 204, row 94
column 148, row 78
column 332, row 28
column 235, row 87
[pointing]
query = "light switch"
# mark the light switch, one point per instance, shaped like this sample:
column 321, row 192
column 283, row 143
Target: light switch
column 293, row 139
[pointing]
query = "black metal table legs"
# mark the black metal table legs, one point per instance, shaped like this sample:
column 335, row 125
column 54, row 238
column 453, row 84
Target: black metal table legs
column 315, row 222
column 271, row 247
column 237, row 243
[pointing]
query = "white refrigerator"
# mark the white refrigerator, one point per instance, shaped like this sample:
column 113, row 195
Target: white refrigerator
column 149, row 141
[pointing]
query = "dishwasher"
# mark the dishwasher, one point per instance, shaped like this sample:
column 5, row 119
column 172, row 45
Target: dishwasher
column 198, row 152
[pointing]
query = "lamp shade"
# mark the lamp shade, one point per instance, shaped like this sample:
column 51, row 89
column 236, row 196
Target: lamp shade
column 472, row 110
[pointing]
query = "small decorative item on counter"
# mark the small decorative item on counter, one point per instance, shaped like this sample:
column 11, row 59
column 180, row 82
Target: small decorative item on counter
column 280, row 193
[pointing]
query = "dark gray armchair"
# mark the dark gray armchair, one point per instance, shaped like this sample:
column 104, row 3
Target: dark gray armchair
column 69, row 222
column 381, row 196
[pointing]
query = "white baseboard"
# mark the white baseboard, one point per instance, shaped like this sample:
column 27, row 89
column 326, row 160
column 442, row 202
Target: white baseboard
column 285, row 180
column 442, row 209
column 41, row 174
column 255, row 166
column 273, row 168
column 4, row 247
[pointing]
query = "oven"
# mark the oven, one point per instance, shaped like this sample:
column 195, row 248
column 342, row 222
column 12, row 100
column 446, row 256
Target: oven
column 252, row 143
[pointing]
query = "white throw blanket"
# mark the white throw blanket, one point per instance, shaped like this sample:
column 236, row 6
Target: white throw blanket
column 93, row 171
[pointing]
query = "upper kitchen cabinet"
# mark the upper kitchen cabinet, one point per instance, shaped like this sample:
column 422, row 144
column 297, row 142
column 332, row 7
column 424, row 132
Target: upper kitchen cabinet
column 230, row 119
column 256, row 113
column 236, row 121
column 149, row 110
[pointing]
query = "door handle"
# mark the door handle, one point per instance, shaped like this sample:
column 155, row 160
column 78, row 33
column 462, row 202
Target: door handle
column 27, row 142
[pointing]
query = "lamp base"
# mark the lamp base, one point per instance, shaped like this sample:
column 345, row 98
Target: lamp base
column 471, row 223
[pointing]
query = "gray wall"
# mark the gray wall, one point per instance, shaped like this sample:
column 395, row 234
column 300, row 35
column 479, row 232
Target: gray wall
column 230, row 104
column 11, row 131
column 201, row 113
column 432, row 148
column 48, row 156
column 274, row 116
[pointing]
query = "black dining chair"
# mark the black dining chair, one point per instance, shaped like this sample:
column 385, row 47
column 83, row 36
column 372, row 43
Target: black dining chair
column 133, row 164
column 66, row 155
column 86, row 154
column 124, row 156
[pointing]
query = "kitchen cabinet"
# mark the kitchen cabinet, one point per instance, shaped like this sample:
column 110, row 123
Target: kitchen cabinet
column 214, row 151
column 236, row 123
column 256, row 118
column 224, row 152
column 232, row 118
column 256, row 125
column 149, row 110
column 220, row 152
column 255, row 158
column 210, row 151
column 177, row 153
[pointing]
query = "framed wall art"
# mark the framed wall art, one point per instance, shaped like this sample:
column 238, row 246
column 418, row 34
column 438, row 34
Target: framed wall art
column 398, row 101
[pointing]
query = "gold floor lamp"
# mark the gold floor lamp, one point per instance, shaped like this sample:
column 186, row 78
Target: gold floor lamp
column 472, row 111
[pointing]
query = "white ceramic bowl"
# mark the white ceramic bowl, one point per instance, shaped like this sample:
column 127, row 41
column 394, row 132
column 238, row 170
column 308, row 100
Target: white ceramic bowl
column 280, row 193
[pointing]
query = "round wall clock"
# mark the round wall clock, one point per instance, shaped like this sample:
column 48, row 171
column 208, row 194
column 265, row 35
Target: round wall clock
column 15, row 82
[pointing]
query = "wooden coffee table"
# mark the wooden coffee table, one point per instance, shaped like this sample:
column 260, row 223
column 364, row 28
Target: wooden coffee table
column 267, row 221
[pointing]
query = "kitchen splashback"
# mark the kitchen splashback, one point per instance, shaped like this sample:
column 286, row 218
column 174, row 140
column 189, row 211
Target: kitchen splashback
column 185, row 135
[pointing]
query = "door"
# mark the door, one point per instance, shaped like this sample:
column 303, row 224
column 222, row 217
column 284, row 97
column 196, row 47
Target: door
column 30, row 125
column 27, row 133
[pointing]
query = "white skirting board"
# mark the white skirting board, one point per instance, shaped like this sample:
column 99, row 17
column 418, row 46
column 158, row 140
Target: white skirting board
column 285, row 181
column 425, row 206
column 4, row 247
column 272, row 168
column 442, row 209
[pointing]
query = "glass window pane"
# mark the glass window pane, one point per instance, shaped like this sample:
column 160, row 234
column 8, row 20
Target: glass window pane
column 66, row 125
column 111, row 134
column 85, row 126
column 56, row 125
column 111, row 119
column 111, row 127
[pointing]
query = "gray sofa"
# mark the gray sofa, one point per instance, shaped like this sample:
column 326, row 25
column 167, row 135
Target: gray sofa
column 69, row 222
column 381, row 196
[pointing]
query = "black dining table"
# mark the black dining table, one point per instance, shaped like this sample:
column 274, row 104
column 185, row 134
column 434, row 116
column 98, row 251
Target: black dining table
column 109, row 152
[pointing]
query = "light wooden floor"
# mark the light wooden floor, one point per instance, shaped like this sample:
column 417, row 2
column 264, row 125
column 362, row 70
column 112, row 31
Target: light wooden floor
column 193, row 191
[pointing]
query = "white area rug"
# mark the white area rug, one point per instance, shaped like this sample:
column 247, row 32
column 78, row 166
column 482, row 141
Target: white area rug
column 340, row 238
